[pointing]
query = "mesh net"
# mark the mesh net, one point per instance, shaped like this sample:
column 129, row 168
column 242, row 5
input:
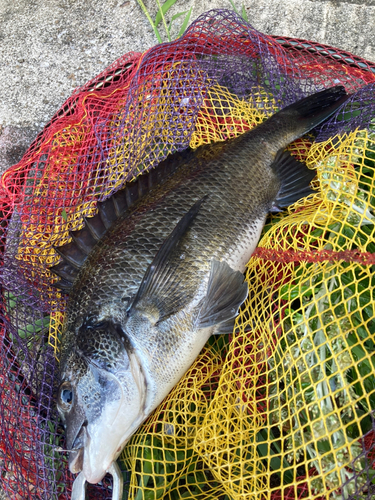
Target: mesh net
column 283, row 407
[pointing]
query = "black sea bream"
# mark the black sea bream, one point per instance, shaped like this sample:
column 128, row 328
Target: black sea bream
column 160, row 269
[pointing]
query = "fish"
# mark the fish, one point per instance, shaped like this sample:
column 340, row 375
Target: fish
column 159, row 270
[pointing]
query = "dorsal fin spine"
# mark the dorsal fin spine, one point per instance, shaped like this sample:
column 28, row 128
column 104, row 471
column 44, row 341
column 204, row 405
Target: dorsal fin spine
column 83, row 239
column 116, row 204
column 93, row 230
column 128, row 198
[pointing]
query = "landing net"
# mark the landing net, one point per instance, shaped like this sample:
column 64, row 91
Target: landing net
column 284, row 407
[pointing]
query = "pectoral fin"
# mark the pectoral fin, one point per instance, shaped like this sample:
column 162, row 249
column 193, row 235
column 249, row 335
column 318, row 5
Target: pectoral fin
column 225, row 328
column 161, row 292
column 226, row 292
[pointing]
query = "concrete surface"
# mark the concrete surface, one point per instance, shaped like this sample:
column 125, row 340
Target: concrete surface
column 50, row 47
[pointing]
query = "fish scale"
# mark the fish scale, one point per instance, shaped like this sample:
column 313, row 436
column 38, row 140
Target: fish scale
column 166, row 275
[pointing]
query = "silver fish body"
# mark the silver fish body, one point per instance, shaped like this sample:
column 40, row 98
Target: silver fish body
column 168, row 274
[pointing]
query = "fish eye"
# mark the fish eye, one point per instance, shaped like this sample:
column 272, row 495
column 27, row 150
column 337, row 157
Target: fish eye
column 66, row 395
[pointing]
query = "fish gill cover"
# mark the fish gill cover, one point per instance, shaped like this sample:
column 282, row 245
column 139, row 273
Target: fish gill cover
column 283, row 407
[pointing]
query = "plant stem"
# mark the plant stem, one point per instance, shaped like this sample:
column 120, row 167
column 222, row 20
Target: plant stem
column 142, row 5
column 164, row 22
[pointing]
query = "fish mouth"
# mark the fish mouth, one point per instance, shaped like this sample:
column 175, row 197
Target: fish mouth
column 76, row 461
column 77, row 452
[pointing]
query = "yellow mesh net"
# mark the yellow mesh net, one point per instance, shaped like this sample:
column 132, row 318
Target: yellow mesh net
column 281, row 409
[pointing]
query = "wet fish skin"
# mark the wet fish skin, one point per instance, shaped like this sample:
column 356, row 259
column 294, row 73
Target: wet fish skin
column 123, row 351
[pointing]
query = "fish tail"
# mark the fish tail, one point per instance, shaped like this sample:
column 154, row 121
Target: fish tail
column 315, row 109
column 302, row 116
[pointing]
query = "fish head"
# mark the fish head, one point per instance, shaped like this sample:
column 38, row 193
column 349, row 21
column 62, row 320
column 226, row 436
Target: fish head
column 101, row 397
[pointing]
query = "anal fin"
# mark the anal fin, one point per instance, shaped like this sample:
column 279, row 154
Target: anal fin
column 295, row 180
column 226, row 291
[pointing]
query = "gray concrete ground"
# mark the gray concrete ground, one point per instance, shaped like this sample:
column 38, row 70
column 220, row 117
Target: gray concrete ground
column 49, row 47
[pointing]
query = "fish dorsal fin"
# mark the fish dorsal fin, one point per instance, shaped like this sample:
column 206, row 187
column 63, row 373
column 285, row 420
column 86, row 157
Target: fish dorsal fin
column 226, row 291
column 75, row 253
column 160, row 290
column 295, row 180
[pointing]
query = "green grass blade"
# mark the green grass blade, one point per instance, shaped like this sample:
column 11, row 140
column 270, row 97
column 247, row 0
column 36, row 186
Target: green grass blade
column 176, row 16
column 11, row 300
column 243, row 11
column 244, row 15
column 234, row 7
column 163, row 9
column 64, row 215
column 185, row 23
column 145, row 11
